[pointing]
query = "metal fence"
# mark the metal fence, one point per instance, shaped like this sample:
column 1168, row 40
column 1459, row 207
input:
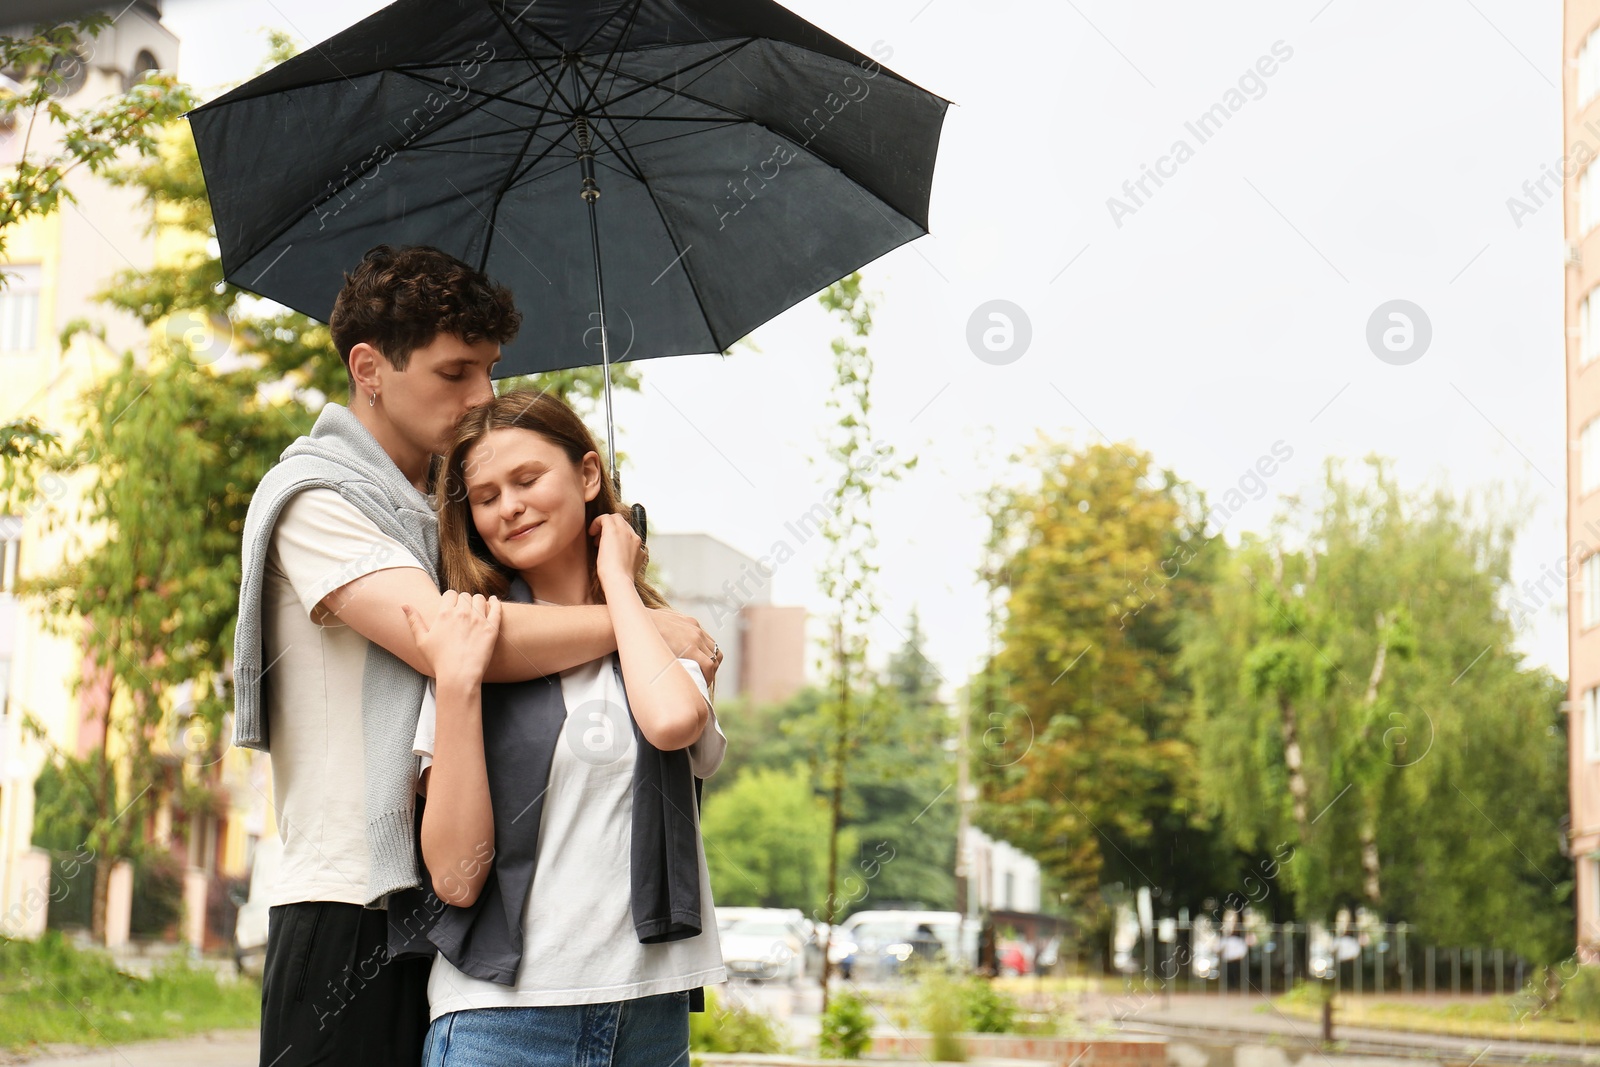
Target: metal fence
column 1198, row 955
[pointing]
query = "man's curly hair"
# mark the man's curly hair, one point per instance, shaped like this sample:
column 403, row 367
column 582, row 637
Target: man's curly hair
column 399, row 299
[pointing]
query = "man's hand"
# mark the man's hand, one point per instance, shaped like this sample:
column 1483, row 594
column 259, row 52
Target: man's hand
column 687, row 639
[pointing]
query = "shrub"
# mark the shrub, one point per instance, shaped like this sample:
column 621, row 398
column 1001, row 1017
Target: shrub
column 157, row 894
column 1580, row 994
column 989, row 1011
column 942, row 998
column 846, row 1027
column 732, row 1028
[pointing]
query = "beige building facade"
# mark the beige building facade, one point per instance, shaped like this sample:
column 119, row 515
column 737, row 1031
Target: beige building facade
column 1579, row 177
column 56, row 265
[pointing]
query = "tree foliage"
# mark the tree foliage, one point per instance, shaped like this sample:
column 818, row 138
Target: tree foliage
column 1420, row 731
column 853, row 709
column 1082, row 753
column 766, row 839
column 57, row 141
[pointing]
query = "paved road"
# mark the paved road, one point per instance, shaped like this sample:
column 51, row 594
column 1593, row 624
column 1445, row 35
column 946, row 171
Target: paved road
column 1233, row 1019
column 1242, row 1019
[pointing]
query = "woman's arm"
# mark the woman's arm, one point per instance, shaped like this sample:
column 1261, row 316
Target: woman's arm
column 664, row 700
column 458, row 823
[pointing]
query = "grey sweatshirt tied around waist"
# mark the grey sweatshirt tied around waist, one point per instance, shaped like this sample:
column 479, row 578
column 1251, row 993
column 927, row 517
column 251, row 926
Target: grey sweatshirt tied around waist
column 340, row 454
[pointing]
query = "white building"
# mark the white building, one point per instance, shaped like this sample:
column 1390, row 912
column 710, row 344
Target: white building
column 1001, row 877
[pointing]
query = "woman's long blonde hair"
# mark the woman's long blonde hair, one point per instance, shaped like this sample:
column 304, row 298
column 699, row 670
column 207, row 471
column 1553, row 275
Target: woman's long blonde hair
column 467, row 563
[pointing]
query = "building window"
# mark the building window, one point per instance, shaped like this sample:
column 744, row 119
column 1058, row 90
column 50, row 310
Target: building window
column 19, row 307
column 1589, row 456
column 10, row 548
column 1589, row 67
column 1591, row 591
column 1591, row 724
column 1588, row 200
column 1589, row 328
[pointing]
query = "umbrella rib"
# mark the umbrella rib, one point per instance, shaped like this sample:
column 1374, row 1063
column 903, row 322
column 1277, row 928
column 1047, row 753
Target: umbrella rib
column 592, row 91
column 505, row 184
column 709, row 62
column 534, row 26
column 485, row 94
column 667, row 229
column 623, row 40
column 517, row 179
column 709, row 41
column 351, row 177
column 503, row 98
column 721, row 125
column 483, row 102
column 554, row 83
column 632, row 15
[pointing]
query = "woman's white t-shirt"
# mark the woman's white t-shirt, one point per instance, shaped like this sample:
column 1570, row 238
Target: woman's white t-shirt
column 578, row 941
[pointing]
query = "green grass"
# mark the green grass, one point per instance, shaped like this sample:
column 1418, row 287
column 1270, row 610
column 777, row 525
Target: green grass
column 1503, row 1017
column 51, row 992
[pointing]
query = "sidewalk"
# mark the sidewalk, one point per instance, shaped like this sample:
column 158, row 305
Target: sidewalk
column 1226, row 1019
column 221, row 1048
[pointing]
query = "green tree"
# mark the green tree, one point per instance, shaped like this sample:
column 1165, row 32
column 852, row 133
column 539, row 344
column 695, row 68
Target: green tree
column 766, row 737
column 853, row 708
column 55, row 143
column 901, row 800
column 1080, row 722
column 766, row 839
column 1361, row 710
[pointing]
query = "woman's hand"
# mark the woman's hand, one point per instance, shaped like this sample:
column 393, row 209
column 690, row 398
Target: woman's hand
column 620, row 553
column 461, row 640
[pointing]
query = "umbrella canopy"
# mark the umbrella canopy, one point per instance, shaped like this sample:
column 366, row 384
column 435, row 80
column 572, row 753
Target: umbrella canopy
column 744, row 160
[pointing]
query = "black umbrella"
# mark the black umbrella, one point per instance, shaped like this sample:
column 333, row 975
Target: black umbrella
column 743, row 160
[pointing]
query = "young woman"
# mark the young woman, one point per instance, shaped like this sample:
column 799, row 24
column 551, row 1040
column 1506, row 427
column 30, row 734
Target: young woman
column 561, row 826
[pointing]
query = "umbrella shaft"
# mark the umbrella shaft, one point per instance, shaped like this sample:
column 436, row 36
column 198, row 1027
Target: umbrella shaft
column 605, row 339
column 590, row 193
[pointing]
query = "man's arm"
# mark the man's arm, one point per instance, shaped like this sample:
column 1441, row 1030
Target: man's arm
column 535, row 640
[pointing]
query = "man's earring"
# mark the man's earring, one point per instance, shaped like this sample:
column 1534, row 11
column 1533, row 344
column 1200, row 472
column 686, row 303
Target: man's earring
column 372, row 400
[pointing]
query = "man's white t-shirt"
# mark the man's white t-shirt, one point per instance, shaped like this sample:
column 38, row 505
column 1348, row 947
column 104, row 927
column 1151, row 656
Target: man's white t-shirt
column 313, row 677
column 578, row 941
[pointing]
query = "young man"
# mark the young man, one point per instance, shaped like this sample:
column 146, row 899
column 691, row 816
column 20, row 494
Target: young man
column 339, row 535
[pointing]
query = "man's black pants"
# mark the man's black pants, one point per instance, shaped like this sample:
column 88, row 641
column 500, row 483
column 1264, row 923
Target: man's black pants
column 330, row 994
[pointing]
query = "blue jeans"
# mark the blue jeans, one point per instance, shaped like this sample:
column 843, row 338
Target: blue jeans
column 647, row 1032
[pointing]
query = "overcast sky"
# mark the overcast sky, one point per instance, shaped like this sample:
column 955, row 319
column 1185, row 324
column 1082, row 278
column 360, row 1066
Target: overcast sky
column 1206, row 319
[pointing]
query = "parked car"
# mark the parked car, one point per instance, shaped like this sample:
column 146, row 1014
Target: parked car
column 764, row 944
column 1205, row 949
column 250, row 926
column 876, row 943
column 1014, row 958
